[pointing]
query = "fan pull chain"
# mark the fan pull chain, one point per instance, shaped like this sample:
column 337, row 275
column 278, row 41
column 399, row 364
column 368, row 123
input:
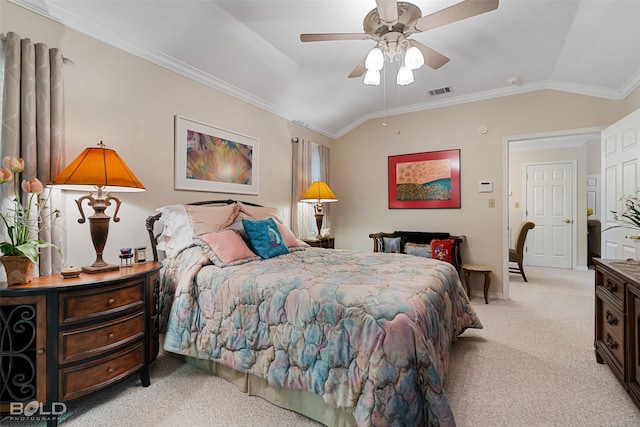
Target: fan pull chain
column 384, row 96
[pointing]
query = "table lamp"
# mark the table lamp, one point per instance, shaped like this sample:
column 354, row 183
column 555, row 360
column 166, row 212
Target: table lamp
column 99, row 169
column 320, row 193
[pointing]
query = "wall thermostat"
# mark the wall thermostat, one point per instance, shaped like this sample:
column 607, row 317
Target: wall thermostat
column 485, row 187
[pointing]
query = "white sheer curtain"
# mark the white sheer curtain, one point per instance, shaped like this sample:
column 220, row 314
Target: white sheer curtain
column 324, row 153
column 301, row 213
column 303, row 222
column 33, row 127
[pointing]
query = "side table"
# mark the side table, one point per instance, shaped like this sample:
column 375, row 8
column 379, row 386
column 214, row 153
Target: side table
column 77, row 335
column 324, row 242
column 477, row 268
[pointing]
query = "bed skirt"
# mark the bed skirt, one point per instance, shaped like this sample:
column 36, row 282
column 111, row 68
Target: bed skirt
column 303, row 402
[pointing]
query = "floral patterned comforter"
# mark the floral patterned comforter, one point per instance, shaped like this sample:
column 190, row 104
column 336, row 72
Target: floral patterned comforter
column 370, row 332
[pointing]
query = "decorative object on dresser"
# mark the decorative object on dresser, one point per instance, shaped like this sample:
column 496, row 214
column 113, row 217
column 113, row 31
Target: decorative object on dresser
column 617, row 320
column 323, row 242
column 102, row 169
column 425, row 180
column 419, row 243
column 320, row 193
column 77, row 335
column 22, row 221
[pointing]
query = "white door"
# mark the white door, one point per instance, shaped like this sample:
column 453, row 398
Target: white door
column 620, row 177
column 550, row 201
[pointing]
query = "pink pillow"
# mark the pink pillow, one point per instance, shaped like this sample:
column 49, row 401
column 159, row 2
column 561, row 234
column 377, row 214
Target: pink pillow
column 288, row 236
column 228, row 247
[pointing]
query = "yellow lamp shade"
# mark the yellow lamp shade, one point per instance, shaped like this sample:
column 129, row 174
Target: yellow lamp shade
column 319, row 191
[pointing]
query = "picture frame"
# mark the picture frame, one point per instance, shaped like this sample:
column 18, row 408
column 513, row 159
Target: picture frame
column 429, row 180
column 212, row 159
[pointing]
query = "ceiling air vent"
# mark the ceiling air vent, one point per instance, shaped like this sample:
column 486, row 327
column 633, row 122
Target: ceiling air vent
column 440, row 91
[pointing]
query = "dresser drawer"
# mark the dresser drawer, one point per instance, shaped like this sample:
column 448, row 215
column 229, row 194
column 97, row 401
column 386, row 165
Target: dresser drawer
column 613, row 343
column 82, row 343
column 89, row 377
column 612, row 286
column 612, row 320
column 87, row 305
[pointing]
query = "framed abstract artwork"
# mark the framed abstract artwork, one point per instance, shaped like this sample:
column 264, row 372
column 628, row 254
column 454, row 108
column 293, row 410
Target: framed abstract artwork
column 208, row 158
column 425, row 180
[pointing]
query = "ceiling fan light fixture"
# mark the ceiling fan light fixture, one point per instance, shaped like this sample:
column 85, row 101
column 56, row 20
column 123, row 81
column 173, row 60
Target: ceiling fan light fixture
column 413, row 58
column 375, row 60
column 405, row 76
column 372, row 77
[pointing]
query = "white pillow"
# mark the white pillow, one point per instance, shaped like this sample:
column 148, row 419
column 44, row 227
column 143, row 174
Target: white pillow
column 176, row 231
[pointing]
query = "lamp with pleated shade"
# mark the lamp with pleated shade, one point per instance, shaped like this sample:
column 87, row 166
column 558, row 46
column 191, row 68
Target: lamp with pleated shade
column 99, row 169
column 320, row 193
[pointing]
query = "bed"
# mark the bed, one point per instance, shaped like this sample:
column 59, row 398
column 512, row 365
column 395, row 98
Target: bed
column 343, row 337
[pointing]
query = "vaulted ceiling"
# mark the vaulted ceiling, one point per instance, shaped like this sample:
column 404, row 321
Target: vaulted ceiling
column 251, row 49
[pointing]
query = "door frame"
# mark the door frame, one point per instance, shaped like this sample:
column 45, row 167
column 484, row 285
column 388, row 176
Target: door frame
column 574, row 202
column 505, row 188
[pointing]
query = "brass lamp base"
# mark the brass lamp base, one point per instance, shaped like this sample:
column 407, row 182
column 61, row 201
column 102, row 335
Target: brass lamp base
column 319, row 218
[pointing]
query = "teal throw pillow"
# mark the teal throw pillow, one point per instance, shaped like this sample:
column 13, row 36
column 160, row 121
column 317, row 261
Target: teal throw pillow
column 265, row 238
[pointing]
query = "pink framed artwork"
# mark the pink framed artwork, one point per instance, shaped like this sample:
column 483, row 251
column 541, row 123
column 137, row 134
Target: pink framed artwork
column 428, row 180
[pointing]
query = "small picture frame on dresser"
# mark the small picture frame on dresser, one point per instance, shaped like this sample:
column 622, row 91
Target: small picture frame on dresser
column 140, row 254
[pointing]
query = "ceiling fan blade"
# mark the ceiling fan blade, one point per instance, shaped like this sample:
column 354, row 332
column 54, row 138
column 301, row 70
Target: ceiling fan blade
column 432, row 58
column 359, row 70
column 388, row 11
column 333, row 36
column 459, row 11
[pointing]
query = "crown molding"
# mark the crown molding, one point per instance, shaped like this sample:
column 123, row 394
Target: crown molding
column 55, row 12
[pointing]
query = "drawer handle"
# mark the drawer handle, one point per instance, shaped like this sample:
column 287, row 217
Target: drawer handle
column 110, row 370
column 111, row 335
column 611, row 286
column 111, row 300
column 611, row 343
column 611, row 319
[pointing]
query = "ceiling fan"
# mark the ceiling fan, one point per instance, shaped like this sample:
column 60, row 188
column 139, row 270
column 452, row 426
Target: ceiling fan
column 392, row 22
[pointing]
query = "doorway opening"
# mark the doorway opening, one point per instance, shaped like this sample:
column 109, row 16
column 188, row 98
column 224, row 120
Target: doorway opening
column 578, row 146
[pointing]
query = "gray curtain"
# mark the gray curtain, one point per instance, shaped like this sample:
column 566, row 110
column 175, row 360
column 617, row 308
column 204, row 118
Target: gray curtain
column 33, row 127
column 301, row 213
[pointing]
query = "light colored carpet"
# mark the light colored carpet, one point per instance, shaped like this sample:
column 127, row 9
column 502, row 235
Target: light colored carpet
column 532, row 365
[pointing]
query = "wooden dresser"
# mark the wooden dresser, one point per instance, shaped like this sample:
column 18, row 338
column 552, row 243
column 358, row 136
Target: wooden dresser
column 66, row 338
column 617, row 321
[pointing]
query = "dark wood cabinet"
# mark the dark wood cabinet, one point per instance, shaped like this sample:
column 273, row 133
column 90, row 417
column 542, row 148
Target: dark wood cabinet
column 617, row 321
column 325, row 242
column 66, row 338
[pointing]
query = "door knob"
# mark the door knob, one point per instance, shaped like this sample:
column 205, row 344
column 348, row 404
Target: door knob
column 568, row 221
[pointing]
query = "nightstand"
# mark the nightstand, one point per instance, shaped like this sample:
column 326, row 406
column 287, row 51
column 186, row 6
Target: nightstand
column 324, row 242
column 77, row 335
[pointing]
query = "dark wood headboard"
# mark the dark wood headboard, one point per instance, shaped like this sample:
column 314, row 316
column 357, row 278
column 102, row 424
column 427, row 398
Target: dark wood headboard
column 150, row 222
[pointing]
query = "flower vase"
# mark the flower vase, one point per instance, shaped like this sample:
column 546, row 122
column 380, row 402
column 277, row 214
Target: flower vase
column 19, row 269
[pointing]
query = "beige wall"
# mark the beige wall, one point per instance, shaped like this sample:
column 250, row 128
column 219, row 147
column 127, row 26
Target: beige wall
column 130, row 103
column 360, row 166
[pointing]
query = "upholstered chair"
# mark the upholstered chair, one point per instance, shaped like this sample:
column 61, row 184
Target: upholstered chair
column 517, row 255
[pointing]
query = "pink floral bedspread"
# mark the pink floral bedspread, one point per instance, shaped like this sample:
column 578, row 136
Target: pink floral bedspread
column 370, row 332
